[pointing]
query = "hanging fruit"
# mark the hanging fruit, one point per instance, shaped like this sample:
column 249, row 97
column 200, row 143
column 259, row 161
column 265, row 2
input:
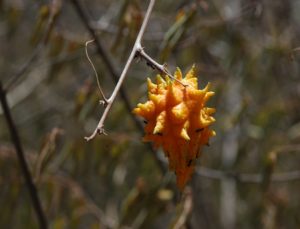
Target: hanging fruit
column 178, row 121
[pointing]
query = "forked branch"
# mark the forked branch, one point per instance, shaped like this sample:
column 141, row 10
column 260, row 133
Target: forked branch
column 137, row 46
column 137, row 51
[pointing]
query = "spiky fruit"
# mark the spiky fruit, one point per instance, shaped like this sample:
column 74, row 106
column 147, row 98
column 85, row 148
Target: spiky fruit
column 178, row 121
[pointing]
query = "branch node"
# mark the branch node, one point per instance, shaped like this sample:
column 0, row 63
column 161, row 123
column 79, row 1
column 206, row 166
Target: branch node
column 103, row 102
column 150, row 65
column 99, row 130
column 139, row 47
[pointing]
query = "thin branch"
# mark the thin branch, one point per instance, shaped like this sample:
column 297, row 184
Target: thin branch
column 137, row 45
column 113, row 73
column 104, row 55
column 162, row 68
column 24, row 167
column 152, row 63
column 96, row 74
column 137, row 50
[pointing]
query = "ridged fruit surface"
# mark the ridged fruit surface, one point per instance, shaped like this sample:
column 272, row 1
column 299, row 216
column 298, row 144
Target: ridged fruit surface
column 178, row 120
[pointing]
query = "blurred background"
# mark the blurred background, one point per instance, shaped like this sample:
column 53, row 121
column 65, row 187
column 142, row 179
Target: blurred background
column 249, row 176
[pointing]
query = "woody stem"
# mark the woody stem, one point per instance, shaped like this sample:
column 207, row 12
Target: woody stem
column 153, row 64
column 137, row 45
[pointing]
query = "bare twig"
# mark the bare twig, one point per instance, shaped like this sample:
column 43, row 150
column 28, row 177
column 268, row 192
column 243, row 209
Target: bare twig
column 24, row 167
column 162, row 68
column 137, row 51
column 96, row 74
column 114, row 74
column 152, row 63
column 105, row 57
column 137, row 46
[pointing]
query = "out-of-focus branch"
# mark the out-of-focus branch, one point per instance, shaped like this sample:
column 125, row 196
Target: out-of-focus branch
column 101, row 51
column 186, row 209
column 246, row 177
column 60, row 178
column 16, row 77
column 21, row 158
column 253, row 177
column 54, row 7
column 99, row 26
column 77, row 191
